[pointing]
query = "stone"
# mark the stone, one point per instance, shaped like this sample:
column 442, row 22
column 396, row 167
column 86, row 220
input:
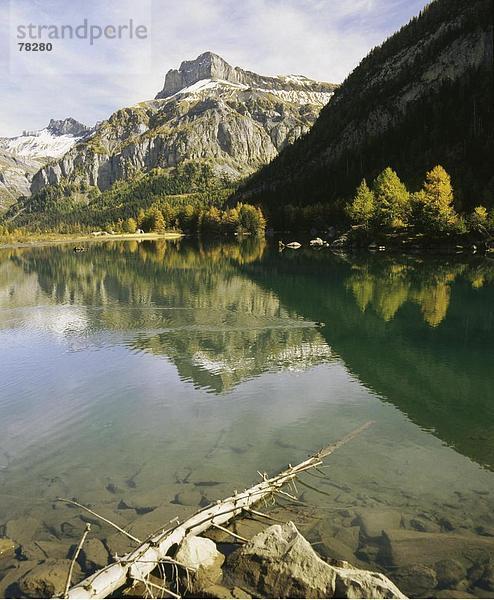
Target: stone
column 373, row 522
column 449, row 572
column 48, row 579
column 416, row 581
column 22, row 530
column 201, row 555
column 279, row 562
column 7, row 547
column 93, row 555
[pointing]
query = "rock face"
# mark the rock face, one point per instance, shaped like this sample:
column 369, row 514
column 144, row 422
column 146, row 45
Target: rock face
column 207, row 110
column 408, row 104
column 279, row 562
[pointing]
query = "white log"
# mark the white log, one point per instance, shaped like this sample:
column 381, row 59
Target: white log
column 139, row 563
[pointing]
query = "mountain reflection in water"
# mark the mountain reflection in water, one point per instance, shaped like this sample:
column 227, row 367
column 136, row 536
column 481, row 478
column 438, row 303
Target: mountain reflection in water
column 133, row 371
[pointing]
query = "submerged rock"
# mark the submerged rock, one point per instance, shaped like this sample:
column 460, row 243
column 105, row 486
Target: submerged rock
column 449, row 572
column 406, row 547
column 416, row 581
column 191, row 497
column 22, row 530
column 93, row 555
column 374, row 522
column 48, row 579
column 42, row 550
column 279, row 562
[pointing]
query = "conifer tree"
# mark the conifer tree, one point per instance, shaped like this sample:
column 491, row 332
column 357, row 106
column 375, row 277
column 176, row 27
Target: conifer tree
column 362, row 209
column 433, row 204
column 392, row 199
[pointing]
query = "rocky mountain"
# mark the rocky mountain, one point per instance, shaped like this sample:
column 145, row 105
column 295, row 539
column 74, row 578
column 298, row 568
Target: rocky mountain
column 207, row 110
column 22, row 156
column 424, row 97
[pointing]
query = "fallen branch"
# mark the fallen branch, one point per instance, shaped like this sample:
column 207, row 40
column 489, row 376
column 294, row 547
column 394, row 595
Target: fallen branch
column 75, row 557
column 137, row 564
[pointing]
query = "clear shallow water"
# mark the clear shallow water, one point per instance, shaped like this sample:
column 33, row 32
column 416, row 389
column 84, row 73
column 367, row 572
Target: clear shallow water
column 133, row 373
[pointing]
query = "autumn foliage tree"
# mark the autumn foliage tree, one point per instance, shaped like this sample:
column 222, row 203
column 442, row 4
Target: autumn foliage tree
column 433, row 204
column 392, row 200
column 363, row 206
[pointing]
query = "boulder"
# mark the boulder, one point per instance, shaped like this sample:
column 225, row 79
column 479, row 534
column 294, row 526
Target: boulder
column 7, row 547
column 48, row 579
column 201, row 555
column 279, row 562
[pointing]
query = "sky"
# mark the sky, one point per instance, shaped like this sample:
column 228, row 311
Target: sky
column 322, row 39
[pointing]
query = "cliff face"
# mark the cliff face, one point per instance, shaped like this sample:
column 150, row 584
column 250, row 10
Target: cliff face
column 424, row 97
column 207, row 110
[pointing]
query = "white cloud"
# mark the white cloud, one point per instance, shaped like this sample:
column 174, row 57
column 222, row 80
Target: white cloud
column 324, row 39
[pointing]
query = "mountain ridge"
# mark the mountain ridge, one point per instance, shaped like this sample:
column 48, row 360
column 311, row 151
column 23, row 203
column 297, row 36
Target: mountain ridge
column 236, row 126
column 424, row 97
column 23, row 155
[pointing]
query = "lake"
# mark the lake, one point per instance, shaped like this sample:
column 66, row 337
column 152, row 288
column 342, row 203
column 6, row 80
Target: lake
column 148, row 378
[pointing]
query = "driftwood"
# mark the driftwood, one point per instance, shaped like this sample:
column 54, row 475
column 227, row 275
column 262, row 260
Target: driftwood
column 139, row 563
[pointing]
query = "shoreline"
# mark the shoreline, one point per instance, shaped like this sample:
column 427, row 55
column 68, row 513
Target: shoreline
column 71, row 239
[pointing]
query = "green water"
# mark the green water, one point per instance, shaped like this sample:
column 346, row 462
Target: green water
column 132, row 373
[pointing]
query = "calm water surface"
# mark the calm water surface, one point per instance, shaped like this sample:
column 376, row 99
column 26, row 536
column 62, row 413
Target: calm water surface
column 146, row 378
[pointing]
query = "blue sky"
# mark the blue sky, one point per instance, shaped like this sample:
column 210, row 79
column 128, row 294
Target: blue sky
column 323, row 39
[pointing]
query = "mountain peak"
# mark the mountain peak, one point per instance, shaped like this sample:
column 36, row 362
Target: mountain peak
column 206, row 66
column 68, row 126
column 209, row 65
